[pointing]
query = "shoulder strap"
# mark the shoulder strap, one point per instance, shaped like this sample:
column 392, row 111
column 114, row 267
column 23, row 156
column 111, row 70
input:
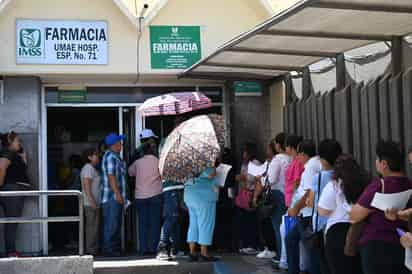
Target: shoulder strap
column 315, row 202
column 383, row 185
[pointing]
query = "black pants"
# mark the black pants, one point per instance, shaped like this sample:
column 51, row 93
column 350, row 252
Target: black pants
column 266, row 234
column 337, row 261
column 379, row 257
column 246, row 228
column 13, row 207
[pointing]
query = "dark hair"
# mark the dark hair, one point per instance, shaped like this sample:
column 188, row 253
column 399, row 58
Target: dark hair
column 293, row 141
column 149, row 147
column 392, row 153
column 353, row 177
column 330, row 150
column 251, row 149
column 227, row 156
column 75, row 161
column 87, row 153
column 7, row 138
column 280, row 139
column 307, row 147
column 272, row 146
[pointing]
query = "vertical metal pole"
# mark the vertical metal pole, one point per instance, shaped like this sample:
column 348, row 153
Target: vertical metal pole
column 340, row 72
column 1, row 92
column 122, row 236
column 396, row 55
column 43, row 199
column 81, row 225
column 226, row 114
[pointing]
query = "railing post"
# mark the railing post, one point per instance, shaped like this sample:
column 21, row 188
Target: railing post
column 81, row 226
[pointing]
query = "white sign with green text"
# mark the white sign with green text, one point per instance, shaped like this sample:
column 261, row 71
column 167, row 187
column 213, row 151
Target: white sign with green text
column 61, row 42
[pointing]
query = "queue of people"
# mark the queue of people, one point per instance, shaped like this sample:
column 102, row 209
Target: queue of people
column 310, row 211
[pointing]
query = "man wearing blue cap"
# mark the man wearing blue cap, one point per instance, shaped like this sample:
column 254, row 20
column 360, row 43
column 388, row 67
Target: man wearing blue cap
column 113, row 194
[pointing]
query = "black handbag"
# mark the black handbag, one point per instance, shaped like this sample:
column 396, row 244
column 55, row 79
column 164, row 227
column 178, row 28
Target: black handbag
column 314, row 239
column 266, row 205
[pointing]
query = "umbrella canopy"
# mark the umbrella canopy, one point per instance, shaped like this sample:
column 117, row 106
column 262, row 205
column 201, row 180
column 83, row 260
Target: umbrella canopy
column 192, row 147
column 175, row 103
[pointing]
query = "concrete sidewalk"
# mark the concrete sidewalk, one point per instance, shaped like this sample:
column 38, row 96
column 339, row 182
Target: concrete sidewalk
column 229, row 264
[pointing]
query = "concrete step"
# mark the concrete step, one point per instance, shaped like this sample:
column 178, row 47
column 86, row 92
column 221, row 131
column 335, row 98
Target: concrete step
column 229, row 264
column 49, row 265
column 150, row 266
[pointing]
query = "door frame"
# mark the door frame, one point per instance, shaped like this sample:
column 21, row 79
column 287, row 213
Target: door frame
column 43, row 143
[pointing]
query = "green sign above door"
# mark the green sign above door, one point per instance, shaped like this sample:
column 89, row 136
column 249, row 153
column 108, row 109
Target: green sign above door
column 174, row 47
column 247, row 88
column 72, row 96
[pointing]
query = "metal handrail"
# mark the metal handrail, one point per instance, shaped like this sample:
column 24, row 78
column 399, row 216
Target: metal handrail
column 80, row 219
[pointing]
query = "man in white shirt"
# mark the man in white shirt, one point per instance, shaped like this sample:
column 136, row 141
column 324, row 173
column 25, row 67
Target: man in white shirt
column 306, row 154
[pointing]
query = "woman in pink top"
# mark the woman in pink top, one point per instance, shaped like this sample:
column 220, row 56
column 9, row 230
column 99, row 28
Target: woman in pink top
column 295, row 169
column 148, row 196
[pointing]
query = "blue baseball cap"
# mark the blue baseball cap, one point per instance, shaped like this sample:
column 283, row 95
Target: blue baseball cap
column 113, row 138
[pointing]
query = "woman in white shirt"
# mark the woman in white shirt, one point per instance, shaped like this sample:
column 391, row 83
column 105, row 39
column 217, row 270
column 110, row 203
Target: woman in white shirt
column 335, row 203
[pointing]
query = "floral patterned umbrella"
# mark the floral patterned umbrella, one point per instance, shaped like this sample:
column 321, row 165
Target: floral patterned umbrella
column 192, row 147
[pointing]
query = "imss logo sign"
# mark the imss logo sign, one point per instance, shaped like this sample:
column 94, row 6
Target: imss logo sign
column 61, row 42
column 30, row 43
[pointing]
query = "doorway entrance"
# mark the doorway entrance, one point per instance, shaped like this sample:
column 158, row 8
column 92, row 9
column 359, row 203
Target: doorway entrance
column 70, row 131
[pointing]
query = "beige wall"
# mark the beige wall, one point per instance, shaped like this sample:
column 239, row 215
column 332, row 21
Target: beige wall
column 219, row 21
column 277, row 100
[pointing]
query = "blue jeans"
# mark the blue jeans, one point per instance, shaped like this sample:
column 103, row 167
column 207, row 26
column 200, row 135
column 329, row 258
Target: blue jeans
column 280, row 209
column 149, row 214
column 292, row 240
column 170, row 234
column 112, row 222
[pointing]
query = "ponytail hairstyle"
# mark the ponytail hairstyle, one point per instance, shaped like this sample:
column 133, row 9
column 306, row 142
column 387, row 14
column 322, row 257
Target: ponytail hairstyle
column 7, row 138
column 352, row 176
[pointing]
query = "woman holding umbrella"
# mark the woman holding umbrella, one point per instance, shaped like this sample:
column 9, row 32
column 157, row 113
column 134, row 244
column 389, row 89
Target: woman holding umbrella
column 189, row 155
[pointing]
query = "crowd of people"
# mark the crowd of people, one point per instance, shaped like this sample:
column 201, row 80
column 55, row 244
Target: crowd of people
column 322, row 215
column 310, row 211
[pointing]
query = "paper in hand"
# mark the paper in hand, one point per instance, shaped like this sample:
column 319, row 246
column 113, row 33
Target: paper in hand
column 256, row 170
column 221, row 174
column 397, row 201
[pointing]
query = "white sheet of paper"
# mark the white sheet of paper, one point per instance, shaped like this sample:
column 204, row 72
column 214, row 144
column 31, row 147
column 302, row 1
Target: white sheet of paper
column 221, row 174
column 408, row 258
column 388, row 201
column 256, row 170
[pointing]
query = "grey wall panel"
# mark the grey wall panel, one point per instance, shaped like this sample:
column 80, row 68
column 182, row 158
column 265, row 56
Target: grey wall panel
column 337, row 108
column 365, row 129
column 346, row 120
column 384, row 125
column 21, row 113
column 407, row 111
column 396, row 108
column 329, row 114
column 315, row 118
column 309, row 113
column 299, row 110
column 356, row 122
column 373, row 103
column 321, row 116
column 292, row 118
column 286, row 118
